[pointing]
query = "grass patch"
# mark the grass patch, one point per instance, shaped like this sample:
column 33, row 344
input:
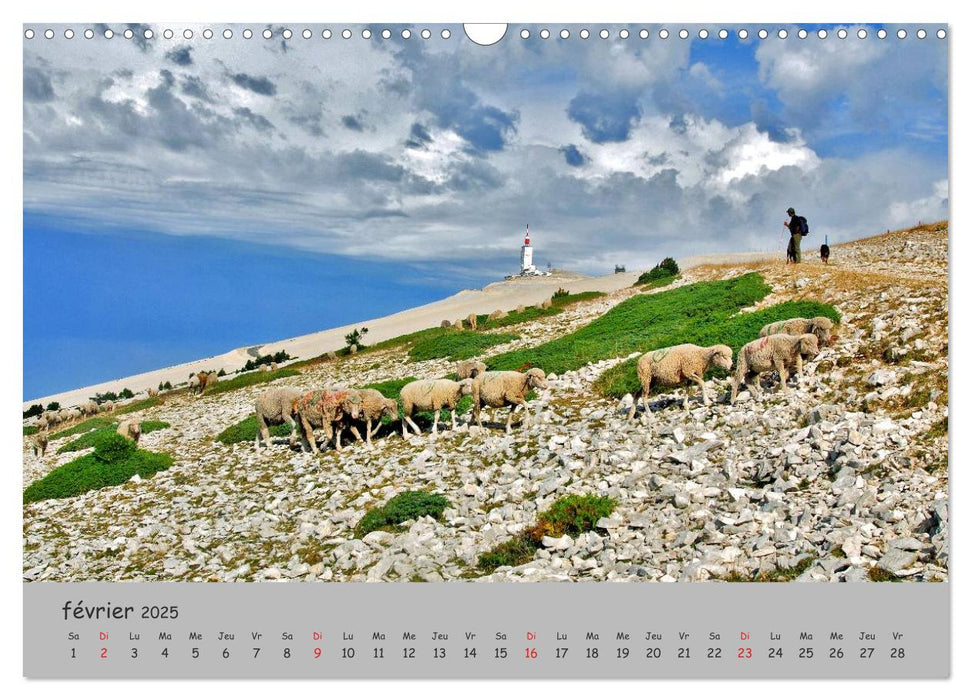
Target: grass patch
column 570, row 515
column 881, row 575
column 457, row 345
column 774, row 576
column 84, row 426
column 150, row 426
column 409, row 505
column 31, row 429
column 532, row 313
column 251, row 379
column 246, row 430
column 114, row 461
column 97, row 437
column 142, row 405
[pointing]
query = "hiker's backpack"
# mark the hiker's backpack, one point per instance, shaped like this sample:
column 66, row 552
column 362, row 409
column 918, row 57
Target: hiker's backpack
column 803, row 225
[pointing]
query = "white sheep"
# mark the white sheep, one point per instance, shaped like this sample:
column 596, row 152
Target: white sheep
column 473, row 322
column 152, row 392
column 275, row 407
column 779, row 352
column 675, row 365
column 38, row 443
column 107, row 406
column 431, row 395
column 89, row 408
column 467, row 369
column 498, row 389
column 374, row 405
column 131, row 429
column 497, row 314
column 819, row 326
column 446, row 324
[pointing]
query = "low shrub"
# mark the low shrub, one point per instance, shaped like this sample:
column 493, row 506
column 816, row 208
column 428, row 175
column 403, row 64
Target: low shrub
column 246, row 429
column 409, row 505
column 457, row 345
column 666, row 270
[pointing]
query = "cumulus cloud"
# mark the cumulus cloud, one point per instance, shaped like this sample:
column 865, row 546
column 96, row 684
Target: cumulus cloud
column 259, row 85
column 181, row 56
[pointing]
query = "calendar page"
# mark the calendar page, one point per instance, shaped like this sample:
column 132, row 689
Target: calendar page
column 485, row 351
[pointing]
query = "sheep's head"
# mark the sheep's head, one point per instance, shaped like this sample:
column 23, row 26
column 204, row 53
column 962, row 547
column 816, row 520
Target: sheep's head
column 389, row 408
column 351, row 404
column 465, row 387
column 536, row 378
column 721, row 356
column 822, row 328
column 808, row 345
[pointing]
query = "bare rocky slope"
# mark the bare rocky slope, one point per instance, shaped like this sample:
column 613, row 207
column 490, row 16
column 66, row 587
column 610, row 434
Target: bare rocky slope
column 845, row 476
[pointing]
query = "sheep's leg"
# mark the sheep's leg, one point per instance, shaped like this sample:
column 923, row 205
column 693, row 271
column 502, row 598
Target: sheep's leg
column 509, row 420
column 357, row 434
column 307, row 436
column 293, row 429
column 752, row 384
column 435, row 420
column 700, row 381
column 798, row 364
column 783, row 375
column 367, row 431
column 633, row 405
column 454, row 424
column 412, row 424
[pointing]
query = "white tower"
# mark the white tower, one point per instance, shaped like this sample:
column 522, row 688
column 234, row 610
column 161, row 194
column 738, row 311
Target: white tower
column 526, row 256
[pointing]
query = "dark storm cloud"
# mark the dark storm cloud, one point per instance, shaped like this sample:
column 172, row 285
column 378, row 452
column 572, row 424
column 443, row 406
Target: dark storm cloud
column 181, row 56
column 352, row 122
column 261, row 86
column 573, row 155
column 37, row 85
column 419, row 136
column 258, row 121
column 193, row 86
column 604, row 117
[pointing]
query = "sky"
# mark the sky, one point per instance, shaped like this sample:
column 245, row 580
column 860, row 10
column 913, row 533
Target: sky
column 416, row 163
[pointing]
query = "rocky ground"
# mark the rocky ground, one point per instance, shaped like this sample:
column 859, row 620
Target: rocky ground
column 842, row 479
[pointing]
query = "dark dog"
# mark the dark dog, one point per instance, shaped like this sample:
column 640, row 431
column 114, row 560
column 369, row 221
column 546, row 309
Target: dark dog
column 791, row 252
column 824, row 253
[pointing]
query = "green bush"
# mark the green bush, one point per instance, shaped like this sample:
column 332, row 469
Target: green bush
column 640, row 323
column 126, row 393
column 355, row 337
column 83, row 427
column 53, row 406
column 246, row 429
column 733, row 331
column 34, row 410
column 150, row 402
column 569, row 515
column 114, row 461
column 279, row 356
column 98, row 436
column 30, row 429
column 457, row 345
column 667, row 269
column 409, row 505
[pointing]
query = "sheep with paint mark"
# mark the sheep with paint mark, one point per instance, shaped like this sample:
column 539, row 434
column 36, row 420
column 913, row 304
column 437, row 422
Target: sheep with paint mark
column 374, row 406
column 275, row 407
column 499, row 389
column 675, row 365
column 819, row 326
column 780, row 352
column 431, row 395
column 322, row 409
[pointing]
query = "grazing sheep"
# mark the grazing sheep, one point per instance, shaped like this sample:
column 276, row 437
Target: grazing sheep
column 275, row 407
column 457, row 324
column 547, row 303
column 819, row 326
column 497, row 314
column 89, row 408
column 42, row 424
column 274, row 367
column 264, row 368
column 431, row 395
column 498, row 389
column 38, row 443
column 473, row 322
column 131, row 429
column 152, row 392
column 353, row 349
column 107, row 406
column 321, row 409
column 75, row 414
column 779, row 352
column 446, row 324
column 51, row 418
column 212, row 379
column 331, row 355
column 194, row 383
column 674, row 365
column 467, row 369
column 520, row 309
column 374, row 405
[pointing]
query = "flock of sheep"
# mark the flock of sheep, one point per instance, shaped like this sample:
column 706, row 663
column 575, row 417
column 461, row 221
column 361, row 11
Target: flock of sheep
column 782, row 346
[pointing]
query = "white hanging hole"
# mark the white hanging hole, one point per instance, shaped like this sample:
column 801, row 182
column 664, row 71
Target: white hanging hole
column 129, row 33
column 306, row 33
column 49, row 34
column 366, row 34
column 861, row 33
column 446, row 33
column 346, row 34
column 664, row 33
column 426, row 34
column 267, row 34
column 207, row 33
column 386, row 34
column 29, row 34
column 703, row 34
column 485, row 34
column 803, row 34
column 68, row 33
column 584, row 34
column 881, row 34
column 544, row 33
column 564, row 33
column 841, row 33
column 327, row 34
column 901, row 33
column 89, row 34
column 941, row 34
column 148, row 34
column 168, row 34
column 624, row 33
column 287, row 34
column 604, row 34
column 524, row 34
column 227, row 33
column 763, row 34
column 743, row 33
column 643, row 34
column 921, row 34
column 247, row 33
column 722, row 33
column 783, row 34
column 822, row 33
column 405, row 33
column 187, row 34
column 108, row 33
column 683, row 34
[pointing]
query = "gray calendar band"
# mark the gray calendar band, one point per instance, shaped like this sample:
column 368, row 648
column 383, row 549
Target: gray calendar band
column 880, row 630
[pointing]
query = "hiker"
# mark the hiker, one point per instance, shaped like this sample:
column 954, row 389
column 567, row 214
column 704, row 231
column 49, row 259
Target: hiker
column 797, row 229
